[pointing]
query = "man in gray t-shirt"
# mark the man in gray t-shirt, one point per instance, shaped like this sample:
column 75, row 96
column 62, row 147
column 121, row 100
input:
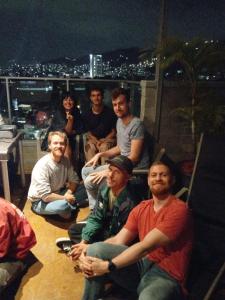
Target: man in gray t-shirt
column 126, row 134
column 54, row 183
column 130, row 142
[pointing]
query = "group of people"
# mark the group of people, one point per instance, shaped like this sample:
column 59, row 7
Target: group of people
column 98, row 122
column 54, row 182
column 143, row 246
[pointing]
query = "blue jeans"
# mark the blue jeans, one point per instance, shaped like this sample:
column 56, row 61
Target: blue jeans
column 57, row 207
column 92, row 188
column 144, row 277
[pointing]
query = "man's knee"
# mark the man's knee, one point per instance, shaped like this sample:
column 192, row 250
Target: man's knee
column 86, row 171
column 96, row 249
column 159, row 289
column 104, row 250
column 104, row 147
column 64, row 210
column 88, row 183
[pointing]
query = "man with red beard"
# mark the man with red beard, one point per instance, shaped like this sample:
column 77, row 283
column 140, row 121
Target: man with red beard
column 54, row 188
column 156, row 266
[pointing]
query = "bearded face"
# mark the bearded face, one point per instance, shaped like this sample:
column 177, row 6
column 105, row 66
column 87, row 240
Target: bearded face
column 160, row 180
column 57, row 146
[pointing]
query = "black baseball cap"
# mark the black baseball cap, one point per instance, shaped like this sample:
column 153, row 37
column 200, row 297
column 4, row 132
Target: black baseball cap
column 122, row 162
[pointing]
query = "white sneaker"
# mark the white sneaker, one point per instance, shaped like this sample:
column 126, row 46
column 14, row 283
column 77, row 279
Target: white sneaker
column 64, row 244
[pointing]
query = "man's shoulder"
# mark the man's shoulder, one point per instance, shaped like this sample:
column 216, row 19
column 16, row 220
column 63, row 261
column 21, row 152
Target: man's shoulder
column 143, row 205
column 136, row 122
column 43, row 160
column 178, row 202
column 42, row 165
column 178, row 206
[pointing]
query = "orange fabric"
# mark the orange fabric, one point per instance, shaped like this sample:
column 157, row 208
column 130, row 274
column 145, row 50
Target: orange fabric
column 174, row 220
column 16, row 234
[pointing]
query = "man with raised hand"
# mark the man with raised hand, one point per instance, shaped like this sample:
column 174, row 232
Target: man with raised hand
column 114, row 203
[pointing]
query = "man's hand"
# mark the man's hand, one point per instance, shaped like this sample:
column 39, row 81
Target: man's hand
column 77, row 249
column 85, row 265
column 69, row 197
column 97, row 177
column 93, row 266
column 94, row 161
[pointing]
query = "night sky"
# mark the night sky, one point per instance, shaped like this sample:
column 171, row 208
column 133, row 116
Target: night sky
column 47, row 29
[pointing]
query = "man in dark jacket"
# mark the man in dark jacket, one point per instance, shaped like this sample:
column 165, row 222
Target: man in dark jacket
column 115, row 201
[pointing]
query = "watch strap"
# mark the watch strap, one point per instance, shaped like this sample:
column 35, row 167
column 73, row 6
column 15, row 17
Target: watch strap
column 111, row 267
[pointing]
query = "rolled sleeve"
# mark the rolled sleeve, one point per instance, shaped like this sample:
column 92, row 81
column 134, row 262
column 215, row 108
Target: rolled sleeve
column 137, row 132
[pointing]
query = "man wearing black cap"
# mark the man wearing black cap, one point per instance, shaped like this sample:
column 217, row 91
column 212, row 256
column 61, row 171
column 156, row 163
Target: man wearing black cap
column 115, row 201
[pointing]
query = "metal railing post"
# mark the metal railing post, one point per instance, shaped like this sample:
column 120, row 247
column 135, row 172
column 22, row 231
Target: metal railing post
column 8, row 99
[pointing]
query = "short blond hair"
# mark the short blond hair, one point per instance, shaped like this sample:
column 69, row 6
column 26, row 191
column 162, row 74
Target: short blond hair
column 60, row 134
column 161, row 163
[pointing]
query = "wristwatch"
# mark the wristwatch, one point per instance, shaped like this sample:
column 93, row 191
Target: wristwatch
column 111, row 267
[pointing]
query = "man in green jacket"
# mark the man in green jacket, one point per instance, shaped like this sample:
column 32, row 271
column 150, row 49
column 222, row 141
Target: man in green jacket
column 114, row 203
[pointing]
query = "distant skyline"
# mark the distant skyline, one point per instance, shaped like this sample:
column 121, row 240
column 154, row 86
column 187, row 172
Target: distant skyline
column 48, row 29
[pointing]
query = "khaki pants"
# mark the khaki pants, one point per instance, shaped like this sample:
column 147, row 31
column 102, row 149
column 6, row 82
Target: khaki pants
column 92, row 147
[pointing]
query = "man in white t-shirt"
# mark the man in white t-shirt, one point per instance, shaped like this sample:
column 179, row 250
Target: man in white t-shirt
column 54, row 183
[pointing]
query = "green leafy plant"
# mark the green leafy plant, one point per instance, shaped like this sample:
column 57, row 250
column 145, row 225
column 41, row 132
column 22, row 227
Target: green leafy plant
column 194, row 57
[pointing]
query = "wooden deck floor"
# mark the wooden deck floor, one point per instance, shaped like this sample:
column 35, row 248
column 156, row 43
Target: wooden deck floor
column 52, row 276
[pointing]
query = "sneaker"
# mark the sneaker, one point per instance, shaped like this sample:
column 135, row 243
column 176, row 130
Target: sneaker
column 34, row 211
column 64, row 244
